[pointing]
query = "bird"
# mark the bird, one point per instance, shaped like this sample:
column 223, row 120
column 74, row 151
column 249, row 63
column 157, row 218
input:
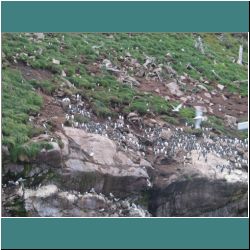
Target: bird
column 66, row 99
column 177, row 109
column 198, row 117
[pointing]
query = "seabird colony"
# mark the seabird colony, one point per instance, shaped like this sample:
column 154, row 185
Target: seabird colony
column 144, row 136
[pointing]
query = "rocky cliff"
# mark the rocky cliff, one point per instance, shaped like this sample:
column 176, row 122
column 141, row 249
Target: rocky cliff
column 96, row 137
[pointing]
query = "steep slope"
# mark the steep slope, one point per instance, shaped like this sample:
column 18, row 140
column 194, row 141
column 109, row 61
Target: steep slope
column 93, row 112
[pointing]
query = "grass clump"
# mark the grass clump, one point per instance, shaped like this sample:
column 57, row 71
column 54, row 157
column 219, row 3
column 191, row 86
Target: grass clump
column 28, row 151
column 18, row 100
column 81, row 119
column 187, row 113
column 101, row 110
column 46, row 86
column 216, row 123
column 170, row 119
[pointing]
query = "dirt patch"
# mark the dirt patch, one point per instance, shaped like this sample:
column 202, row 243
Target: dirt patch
column 51, row 112
column 93, row 69
column 152, row 86
column 233, row 105
column 34, row 74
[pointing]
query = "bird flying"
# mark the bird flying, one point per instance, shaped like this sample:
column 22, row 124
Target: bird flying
column 198, row 117
column 177, row 109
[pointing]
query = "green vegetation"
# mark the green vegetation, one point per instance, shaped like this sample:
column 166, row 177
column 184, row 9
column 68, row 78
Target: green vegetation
column 218, row 126
column 29, row 150
column 188, row 114
column 19, row 100
column 78, row 52
column 170, row 119
column 46, row 86
column 75, row 51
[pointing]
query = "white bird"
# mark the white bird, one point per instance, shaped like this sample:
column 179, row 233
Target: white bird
column 66, row 99
column 177, row 109
column 198, row 117
column 78, row 97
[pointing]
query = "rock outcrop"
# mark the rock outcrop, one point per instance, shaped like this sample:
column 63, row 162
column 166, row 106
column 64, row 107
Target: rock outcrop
column 93, row 161
column 198, row 187
column 200, row 197
column 90, row 176
column 52, row 157
column 50, row 201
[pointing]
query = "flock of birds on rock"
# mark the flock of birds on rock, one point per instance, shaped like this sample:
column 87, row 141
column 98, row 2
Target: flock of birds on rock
column 121, row 131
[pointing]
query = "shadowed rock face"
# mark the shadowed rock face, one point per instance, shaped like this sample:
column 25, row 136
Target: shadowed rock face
column 52, row 157
column 200, row 197
column 105, row 183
